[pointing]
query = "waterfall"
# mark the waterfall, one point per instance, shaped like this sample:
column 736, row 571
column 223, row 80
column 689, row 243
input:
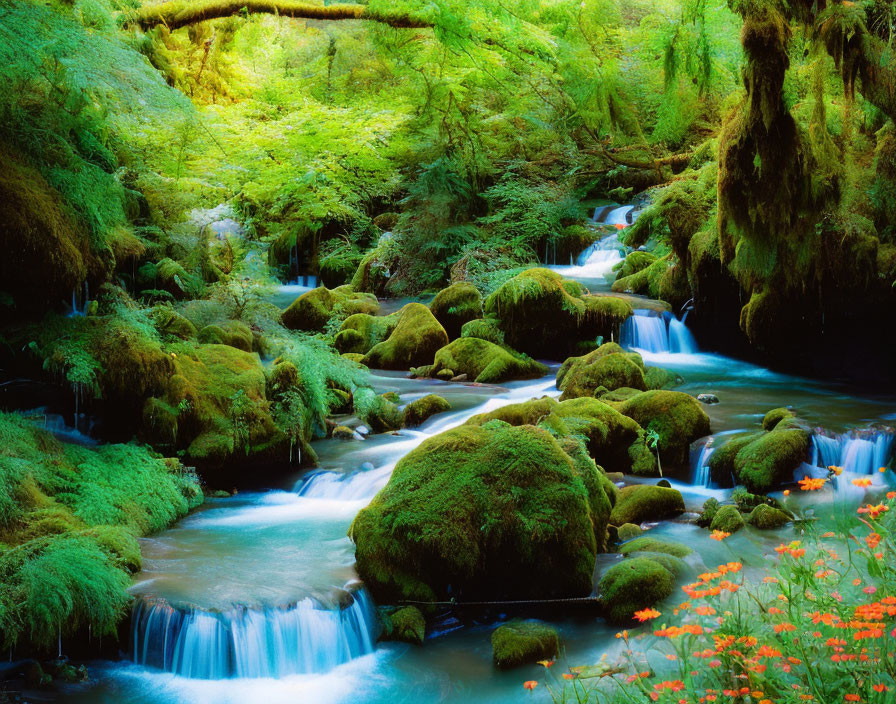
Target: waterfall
column 616, row 216
column 701, row 452
column 248, row 642
column 345, row 487
column 649, row 331
column 80, row 301
column 859, row 451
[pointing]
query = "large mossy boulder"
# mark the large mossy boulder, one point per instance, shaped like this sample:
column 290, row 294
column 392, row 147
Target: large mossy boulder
column 545, row 315
column 609, row 366
column 634, row 584
column 361, row 332
column 614, row 441
column 767, row 517
column 728, row 519
column 484, row 512
column 655, row 545
column 485, row 329
column 641, row 502
column 232, row 332
column 313, row 310
column 412, row 342
column 484, row 362
column 419, row 410
column 676, row 417
column 407, row 625
column 455, row 306
column 523, row 643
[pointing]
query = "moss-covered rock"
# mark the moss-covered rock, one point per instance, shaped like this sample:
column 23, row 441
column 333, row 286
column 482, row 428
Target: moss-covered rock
column 170, row 323
column 484, row 362
column 489, row 511
column 314, row 309
column 761, row 461
column 676, row 417
column 524, row 643
column 455, row 306
column 543, row 314
column 609, row 366
column 361, row 332
column 613, row 440
column 634, row 584
column 343, row 432
column 407, row 625
column 775, row 416
column 485, row 329
column 710, row 508
column 414, row 340
column 633, row 263
column 641, row 502
column 231, row 332
column 417, row 411
column 170, row 276
column 766, row 517
column 628, row 531
column 658, row 378
column 377, row 412
column 648, row 544
column 728, row 519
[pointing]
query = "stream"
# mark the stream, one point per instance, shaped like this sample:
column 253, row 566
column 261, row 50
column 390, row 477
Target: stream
column 254, row 598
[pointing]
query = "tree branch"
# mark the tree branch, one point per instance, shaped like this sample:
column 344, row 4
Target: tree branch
column 176, row 13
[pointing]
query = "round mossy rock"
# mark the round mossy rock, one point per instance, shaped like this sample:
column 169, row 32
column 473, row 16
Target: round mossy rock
column 676, row 417
column 767, row 517
column 407, row 625
column 634, row 584
column 628, row 531
column 608, row 366
column 484, row 362
column 417, row 411
column 414, row 341
column 648, row 544
column 641, row 502
column 524, row 643
column 455, row 306
column 728, row 519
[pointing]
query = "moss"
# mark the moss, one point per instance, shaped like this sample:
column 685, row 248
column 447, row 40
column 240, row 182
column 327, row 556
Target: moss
column 710, row 508
column 646, row 544
column 728, row 519
column 407, row 625
column 484, row 329
column 371, row 276
column 770, row 459
column 314, row 309
column 775, row 416
column 173, row 278
column 766, row 517
column 721, row 463
column 628, row 531
column 414, row 340
column 641, row 502
column 485, row 362
column 524, row 643
column 621, row 394
column 171, row 324
column 377, row 413
column 677, row 418
column 342, row 432
column 633, row 263
column 489, row 511
column 361, row 332
column 232, row 333
column 656, row 378
column 455, row 306
column 541, row 313
column 416, row 412
column 634, row 584
column 613, row 440
column 609, row 367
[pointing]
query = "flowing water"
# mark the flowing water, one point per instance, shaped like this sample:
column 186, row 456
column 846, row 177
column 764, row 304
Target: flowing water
column 254, row 598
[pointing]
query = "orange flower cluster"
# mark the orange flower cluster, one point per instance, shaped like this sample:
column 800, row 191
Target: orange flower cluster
column 873, row 511
column 808, row 483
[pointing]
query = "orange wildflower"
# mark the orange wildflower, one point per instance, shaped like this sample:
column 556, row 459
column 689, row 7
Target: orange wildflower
column 808, row 483
column 719, row 535
column 530, row 684
column 646, row 614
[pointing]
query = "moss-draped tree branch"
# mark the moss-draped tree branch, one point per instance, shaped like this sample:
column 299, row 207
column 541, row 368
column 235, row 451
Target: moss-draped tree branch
column 177, row 14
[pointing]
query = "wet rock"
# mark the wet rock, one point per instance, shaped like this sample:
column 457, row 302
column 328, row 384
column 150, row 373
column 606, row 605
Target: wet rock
column 455, row 306
column 641, row 502
column 407, row 625
column 635, row 583
column 416, row 412
column 343, row 432
column 766, row 517
column 524, row 643
column 708, row 399
column 728, row 519
column 628, row 531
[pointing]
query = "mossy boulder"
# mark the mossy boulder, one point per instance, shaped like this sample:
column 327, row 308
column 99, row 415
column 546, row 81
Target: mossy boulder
column 414, row 340
column 771, row 419
column 658, row 378
column 485, row 329
column 313, row 310
column 640, row 502
column 523, row 643
column 377, row 412
column 231, row 332
column 419, row 410
column 614, row 441
column 361, row 332
column 728, row 518
column 648, row 544
column 545, row 315
column 455, row 306
column 488, row 512
column 628, row 531
column 343, row 432
column 767, row 517
column 170, row 323
column 609, row 366
column 372, row 275
column 484, row 362
column 634, row 584
column 676, row 417
column 633, row 263
column 762, row 461
column 407, row 625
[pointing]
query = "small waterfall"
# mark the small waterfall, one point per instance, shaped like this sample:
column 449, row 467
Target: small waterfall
column 701, row 452
column 247, row 642
column 345, row 487
column 616, row 216
column 859, row 451
column 80, row 300
column 649, row 331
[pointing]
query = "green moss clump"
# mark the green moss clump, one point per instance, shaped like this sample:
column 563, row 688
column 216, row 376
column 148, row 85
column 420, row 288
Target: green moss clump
column 407, row 625
column 676, row 417
column 657, row 378
column 378, row 413
column 721, row 463
column 634, row 584
column 489, row 511
column 633, row 263
column 370, row 276
column 775, row 416
column 728, row 518
column 314, row 309
column 641, row 502
column 710, row 508
column 414, row 340
column 169, row 323
column 231, row 332
column 455, row 306
column 609, row 366
column 416, row 412
column 361, row 332
column 767, row 517
column 484, row 329
column 523, row 643
column 485, row 362
column 628, row 531
column 647, row 544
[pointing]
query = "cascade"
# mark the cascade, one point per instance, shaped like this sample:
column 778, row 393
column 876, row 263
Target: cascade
column 252, row 642
column 858, row 451
column 345, row 487
column 649, row 331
